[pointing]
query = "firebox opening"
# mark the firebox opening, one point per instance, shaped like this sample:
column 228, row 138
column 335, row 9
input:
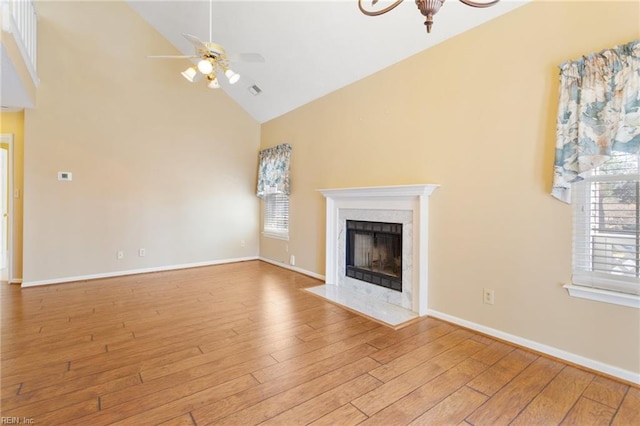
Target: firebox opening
column 374, row 253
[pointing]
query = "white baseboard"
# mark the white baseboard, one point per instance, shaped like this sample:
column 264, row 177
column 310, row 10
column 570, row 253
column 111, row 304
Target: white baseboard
column 136, row 271
column 293, row 268
column 591, row 364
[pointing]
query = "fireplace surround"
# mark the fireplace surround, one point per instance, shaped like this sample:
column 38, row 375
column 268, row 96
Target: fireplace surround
column 402, row 204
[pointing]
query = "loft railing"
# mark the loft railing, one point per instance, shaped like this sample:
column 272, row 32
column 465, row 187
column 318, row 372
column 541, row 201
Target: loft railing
column 20, row 19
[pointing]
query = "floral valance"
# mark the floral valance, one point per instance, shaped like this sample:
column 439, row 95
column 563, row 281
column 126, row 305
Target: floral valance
column 273, row 170
column 599, row 113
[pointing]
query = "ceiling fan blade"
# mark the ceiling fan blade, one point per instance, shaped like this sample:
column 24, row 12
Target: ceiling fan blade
column 195, row 41
column 171, row 56
column 246, row 57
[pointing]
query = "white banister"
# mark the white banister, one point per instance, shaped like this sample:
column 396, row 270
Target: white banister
column 21, row 20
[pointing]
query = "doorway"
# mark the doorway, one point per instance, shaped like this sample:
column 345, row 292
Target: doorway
column 6, row 206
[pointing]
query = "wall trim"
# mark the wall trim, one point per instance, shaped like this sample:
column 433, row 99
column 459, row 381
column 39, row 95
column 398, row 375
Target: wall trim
column 136, row 271
column 292, row 268
column 572, row 358
column 8, row 138
column 606, row 296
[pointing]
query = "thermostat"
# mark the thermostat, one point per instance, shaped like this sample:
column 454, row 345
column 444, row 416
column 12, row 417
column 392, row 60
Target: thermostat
column 65, row 176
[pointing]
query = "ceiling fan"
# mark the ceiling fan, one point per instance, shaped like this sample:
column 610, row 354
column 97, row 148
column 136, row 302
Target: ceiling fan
column 212, row 59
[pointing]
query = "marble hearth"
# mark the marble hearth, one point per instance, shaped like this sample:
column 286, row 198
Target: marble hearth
column 404, row 204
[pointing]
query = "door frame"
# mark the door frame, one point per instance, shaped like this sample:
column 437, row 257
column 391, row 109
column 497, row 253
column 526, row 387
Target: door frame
column 7, row 138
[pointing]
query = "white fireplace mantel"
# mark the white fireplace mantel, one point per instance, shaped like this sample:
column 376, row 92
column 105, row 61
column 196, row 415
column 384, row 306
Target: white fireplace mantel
column 413, row 198
column 394, row 191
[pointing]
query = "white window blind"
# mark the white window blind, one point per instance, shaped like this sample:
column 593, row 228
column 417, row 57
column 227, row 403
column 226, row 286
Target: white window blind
column 276, row 216
column 606, row 227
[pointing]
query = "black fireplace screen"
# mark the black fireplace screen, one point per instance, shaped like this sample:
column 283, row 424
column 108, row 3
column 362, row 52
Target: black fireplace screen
column 374, row 253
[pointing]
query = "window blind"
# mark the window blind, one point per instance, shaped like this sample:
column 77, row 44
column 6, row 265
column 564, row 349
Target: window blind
column 276, row 215
column 607, row 226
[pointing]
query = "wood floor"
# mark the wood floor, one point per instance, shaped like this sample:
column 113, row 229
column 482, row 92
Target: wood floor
column 243, row 344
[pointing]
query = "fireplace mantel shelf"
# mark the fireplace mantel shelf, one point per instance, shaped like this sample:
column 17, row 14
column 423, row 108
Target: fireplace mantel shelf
column 380, row 191
column 378, row 204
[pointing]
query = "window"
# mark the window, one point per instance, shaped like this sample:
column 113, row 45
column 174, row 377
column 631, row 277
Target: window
column 276, row 216
column 606, row 227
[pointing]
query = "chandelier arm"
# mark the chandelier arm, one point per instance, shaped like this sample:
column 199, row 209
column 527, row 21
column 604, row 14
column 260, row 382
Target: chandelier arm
column 475, row 4
column 379, row 12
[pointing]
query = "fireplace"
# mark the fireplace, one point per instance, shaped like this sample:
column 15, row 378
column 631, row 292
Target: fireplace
column 374, row 253
column 403, row 208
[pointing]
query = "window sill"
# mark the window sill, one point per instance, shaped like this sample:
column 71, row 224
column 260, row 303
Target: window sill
column 276, row 235
column 606, row 296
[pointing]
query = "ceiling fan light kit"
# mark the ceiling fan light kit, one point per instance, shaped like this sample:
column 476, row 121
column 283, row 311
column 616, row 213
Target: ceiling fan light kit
column 211, row 57
column 428, row 8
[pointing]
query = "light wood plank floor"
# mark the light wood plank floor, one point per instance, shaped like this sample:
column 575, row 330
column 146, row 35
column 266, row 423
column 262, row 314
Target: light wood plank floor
column 243, row 344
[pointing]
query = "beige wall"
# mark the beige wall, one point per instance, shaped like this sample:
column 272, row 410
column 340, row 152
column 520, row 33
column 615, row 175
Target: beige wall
column 476, row 115
column 13, row 122
column 157, row 163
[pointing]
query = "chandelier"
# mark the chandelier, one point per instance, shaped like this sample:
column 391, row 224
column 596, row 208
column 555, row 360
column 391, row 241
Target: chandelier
column 428, row 8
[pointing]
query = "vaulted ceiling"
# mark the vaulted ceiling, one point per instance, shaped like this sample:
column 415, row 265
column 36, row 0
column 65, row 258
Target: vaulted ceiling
column 311, row 48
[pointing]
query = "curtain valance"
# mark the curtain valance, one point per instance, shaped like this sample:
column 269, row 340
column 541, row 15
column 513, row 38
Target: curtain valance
column 273, row 170
column 599, row 113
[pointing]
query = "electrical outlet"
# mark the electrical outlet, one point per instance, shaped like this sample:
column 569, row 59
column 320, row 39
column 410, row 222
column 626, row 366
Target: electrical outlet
column 292, row 260
column 120, row 255
column 241, row 243
column 488, row 296
column 142, row 252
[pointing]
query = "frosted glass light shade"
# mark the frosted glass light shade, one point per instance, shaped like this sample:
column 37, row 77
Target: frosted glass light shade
column 213, row 83
column 232, row 76
column 190, row 74
column 205, row 66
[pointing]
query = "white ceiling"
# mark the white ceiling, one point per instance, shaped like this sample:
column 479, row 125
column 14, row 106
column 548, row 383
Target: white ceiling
column 311, row 47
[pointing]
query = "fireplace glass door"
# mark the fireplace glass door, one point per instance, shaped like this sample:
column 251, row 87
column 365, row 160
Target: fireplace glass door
column 374, row 253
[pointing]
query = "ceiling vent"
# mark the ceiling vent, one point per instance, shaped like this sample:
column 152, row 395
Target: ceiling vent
column 254, row 90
